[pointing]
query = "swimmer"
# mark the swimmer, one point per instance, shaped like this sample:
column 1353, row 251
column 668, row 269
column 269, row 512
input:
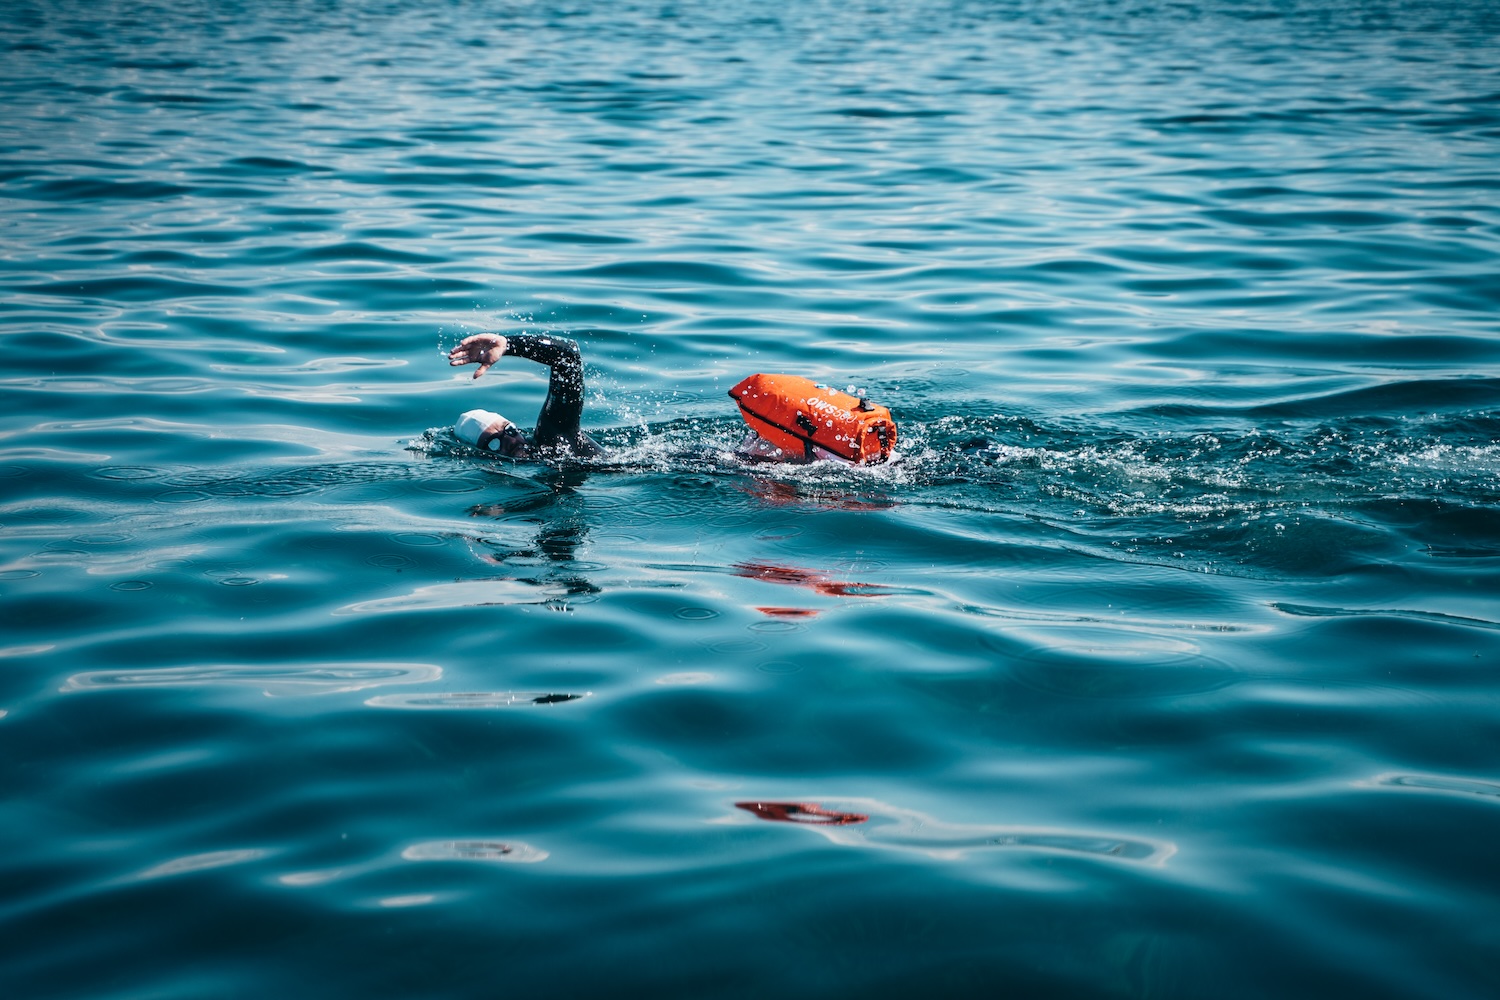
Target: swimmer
column 791, row 419
column 557, row 432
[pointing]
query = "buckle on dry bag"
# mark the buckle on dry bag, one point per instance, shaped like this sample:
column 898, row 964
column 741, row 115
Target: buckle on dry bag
column 805, row 422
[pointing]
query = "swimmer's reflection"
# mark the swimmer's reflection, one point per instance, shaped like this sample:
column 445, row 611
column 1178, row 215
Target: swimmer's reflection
column 550, row 562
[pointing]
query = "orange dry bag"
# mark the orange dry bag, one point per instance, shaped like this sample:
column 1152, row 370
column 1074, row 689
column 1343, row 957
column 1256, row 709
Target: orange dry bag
column 797, row 415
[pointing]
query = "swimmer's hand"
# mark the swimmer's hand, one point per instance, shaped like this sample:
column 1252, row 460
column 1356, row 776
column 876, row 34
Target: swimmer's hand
column 483, row 349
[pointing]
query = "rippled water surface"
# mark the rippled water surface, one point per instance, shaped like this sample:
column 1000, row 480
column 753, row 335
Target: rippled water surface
column 1163, row 663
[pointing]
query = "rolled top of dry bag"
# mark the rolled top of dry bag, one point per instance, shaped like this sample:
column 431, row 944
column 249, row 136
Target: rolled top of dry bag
column 798, row 415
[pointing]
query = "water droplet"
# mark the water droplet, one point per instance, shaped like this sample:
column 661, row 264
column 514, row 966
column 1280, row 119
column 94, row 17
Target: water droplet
column 418, row 538
column 779, row 667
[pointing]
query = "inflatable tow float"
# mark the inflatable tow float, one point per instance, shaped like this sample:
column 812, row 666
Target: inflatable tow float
column 806, row 419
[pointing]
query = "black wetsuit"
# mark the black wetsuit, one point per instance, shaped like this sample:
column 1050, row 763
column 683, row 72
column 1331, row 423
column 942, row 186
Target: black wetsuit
column 557, row 426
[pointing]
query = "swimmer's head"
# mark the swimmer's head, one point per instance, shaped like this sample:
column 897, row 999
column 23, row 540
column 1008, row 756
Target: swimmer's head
column 491, row 432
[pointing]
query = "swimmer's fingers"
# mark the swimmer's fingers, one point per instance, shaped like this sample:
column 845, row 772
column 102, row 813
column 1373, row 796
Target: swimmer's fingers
column 479, row 348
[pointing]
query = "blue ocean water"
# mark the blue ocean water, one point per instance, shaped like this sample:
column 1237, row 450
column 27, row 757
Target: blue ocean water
column 1163, row 663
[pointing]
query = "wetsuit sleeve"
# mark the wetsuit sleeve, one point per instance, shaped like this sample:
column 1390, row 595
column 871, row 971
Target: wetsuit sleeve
column 558, row 423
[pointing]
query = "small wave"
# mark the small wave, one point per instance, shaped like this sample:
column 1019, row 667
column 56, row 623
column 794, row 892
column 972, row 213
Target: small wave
column 666, row 270
column 1085, row 661
column 354, row 252
column 273, row 164
column 1314, row 611
column 470, row 700
column 102, row 189
column 464, row 594
column 201, row 862
column 1410, row 396
column 686, row 678
column 26, row 651
column 514, row 852
column 417, row 180
column 1443, row 784
column 574, row 238
column 136, row 288
column 156, row 65
column 869, row 823
column 408, row 900
column 317, row 366
column 324, row 678
column 138, row 97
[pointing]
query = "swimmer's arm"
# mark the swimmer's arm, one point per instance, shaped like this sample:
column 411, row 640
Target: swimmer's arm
column 559, row 354
column 562, row 410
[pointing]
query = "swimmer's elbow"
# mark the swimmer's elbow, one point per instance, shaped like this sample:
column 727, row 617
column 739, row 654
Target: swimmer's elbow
column 561, row 347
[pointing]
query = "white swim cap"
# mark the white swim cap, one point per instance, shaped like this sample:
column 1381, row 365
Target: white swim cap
column 472, row 425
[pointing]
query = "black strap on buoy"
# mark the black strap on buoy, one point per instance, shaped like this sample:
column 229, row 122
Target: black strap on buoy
column 805, row 422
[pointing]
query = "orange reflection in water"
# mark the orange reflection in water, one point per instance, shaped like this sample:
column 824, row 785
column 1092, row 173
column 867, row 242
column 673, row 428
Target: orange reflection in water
column 780, row 494
column 795, row 577
column 800, row 812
